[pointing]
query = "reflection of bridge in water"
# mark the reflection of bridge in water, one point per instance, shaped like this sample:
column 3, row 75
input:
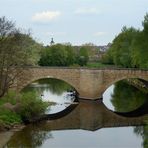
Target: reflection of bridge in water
column 89, row 83
column 93, row 115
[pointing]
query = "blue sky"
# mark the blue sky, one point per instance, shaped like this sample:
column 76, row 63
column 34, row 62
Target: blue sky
column 75, row 21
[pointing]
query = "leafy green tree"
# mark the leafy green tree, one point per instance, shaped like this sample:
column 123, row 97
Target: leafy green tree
column 145, row 23
column 17, row 49
column 71, row 55
column 130, row 47
column 120, row 49
column 107, row 58
column 140, row 47
column 82, row 57
column 58, row 55
column 45, row 56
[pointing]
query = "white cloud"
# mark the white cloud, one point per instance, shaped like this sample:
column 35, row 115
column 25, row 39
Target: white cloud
column 45, row 16
column 100, row 33
column 87, row 11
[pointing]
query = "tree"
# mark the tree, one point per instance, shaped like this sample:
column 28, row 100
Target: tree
column 57, row 55
column 16, row 51
column 71, row 55
column 145, row 23
column 130, row 47
column 140, row 47
column 120, row 50
column 82, row 57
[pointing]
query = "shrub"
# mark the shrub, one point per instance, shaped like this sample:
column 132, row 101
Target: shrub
column 31, row 105
column 8, row 117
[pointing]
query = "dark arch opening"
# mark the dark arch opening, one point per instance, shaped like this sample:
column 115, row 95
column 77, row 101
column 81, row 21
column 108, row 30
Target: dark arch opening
column 126, row 95
column 60, row 95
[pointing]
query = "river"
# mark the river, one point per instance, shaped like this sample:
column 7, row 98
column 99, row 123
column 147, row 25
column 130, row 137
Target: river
column 103, row 123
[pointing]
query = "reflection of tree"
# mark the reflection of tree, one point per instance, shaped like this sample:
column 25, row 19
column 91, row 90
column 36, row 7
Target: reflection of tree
column 30, row 136
column 54, row 85
column 143, row 131
column 126, row 97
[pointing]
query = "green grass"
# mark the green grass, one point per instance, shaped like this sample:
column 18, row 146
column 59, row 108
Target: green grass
column 10, row 97
column 98, row 65
column 8, row 117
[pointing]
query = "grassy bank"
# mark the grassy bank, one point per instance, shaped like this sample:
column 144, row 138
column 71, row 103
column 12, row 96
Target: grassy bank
column 18, row 108
column 98, row 65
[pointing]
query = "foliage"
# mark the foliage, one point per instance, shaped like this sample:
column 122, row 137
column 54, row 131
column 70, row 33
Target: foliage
column 63, row 55
column 8, row 117
column 31, row 105
column 57, row 55
column 143, row 131
column 140, row 50
column 17, row 49
column 82, row 57
column 10, row 97
column 56, row 86
column 130, row 47
column 107, row 58
column 31, row 136
column 126, row 97
column 97, row 65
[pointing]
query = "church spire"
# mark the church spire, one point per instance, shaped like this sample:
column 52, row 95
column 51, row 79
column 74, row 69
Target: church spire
column 52, row 42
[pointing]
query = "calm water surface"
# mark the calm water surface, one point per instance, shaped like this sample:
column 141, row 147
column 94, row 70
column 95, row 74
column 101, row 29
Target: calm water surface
column 89, row 125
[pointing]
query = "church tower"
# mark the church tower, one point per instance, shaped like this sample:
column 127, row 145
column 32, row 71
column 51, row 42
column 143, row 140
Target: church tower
column 52, row 42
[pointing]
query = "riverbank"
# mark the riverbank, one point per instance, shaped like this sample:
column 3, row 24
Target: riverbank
column 6, row 134
column 15, row 109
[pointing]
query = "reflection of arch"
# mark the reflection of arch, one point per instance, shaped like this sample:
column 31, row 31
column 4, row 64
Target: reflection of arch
column 142, row 110
column 97, row 117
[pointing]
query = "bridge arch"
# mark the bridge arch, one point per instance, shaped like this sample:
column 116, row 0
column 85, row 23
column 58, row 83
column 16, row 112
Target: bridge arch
column 47, row 77
column 120, row 79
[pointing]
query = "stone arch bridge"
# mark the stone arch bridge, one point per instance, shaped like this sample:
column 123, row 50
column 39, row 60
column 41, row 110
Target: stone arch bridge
column 89, row 83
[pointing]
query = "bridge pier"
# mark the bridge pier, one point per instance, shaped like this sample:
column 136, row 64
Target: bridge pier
column 91, row 84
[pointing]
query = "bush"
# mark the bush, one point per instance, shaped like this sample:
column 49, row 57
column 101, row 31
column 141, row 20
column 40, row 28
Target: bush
column 10, row 97
column 8, row 117
column 31, row 105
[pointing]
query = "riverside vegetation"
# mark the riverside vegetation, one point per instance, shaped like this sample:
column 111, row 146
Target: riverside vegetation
column 19, row 108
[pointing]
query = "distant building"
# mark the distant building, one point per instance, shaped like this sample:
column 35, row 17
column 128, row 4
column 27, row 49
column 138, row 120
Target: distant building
column 104, row 48
column 52, row 42
column 96, row 51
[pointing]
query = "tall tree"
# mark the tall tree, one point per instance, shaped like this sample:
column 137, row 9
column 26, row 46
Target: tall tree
column 83, row 56
column 140, row 46
column 15, row 52
column 120, row 48
column 130, row 47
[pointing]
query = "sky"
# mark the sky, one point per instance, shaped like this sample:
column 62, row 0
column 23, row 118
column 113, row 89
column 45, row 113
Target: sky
column 75, row 21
